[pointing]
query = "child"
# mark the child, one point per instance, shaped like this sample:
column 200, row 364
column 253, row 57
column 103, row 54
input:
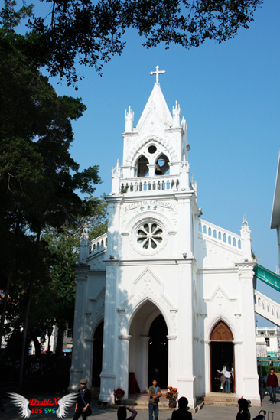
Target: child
column 122, row 413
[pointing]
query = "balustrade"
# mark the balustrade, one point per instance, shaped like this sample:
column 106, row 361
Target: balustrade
column 98, row 244
column 267, row 307
column 150, row 184
column 217, row 233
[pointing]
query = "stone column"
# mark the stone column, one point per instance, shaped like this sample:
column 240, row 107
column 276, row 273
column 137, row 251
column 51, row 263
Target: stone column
column 239, row 363
column 108, row 374
column 152, row 169
column 87, row 365
column 207, row 378
column 249, row 370
column 143, row 377
column 76, row 370
column 173, row 367
column 123, row 363
column 185, row 332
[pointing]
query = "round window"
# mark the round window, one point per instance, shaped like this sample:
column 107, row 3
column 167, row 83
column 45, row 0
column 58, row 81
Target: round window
column 152, row 149
column 149, row 235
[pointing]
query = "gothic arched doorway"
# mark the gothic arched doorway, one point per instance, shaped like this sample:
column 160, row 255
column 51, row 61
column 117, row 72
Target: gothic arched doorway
column 221, row 352
column 158, row 352
column 148, row 352
column 97, row 355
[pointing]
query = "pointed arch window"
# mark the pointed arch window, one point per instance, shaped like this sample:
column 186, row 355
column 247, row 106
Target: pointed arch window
column 142, row 167
column 162, row 165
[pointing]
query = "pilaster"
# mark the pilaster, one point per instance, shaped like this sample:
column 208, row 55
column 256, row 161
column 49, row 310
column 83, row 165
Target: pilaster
column 250, row 376
column 76, row 370
column 185, row 373
column 108, row 374
column 123, row 363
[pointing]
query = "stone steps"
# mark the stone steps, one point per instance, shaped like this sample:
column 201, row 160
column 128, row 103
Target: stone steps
column 222, row 399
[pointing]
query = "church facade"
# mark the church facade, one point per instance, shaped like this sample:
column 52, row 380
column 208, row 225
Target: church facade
column 163, row 293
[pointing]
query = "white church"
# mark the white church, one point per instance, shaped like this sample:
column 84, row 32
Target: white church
column 163, row 292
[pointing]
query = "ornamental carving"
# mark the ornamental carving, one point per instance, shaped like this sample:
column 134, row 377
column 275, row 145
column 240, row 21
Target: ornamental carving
column 148, row 236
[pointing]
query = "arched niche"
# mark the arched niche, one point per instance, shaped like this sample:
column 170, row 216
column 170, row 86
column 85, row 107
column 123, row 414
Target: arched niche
column 97, row 354
column 221, row 353
column 162, row 165
column 142, row 166
column 148, row 345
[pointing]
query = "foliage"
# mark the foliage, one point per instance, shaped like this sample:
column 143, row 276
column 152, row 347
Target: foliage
column 118, row 393
column 39, row 181
column 91, row 33
column 266, row 369
column 171, row 395
column 62, row 245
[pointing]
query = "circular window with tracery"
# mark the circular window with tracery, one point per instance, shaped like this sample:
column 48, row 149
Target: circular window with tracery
column 149, row 235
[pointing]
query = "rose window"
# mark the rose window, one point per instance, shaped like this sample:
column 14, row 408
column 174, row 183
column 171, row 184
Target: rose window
column 149, row 235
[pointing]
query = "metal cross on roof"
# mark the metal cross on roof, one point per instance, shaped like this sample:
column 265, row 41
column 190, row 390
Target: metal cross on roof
column 157, row 72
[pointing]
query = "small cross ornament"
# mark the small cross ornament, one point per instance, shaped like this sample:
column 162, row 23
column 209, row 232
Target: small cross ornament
column 157, row 72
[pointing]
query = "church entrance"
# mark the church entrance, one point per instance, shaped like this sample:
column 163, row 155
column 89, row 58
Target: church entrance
column 158, row 352
column 97, row 355
column 148, row 348
column 221, row 353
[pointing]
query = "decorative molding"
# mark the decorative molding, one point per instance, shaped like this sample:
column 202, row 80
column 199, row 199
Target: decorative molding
column 141, row 144
column 220, row 293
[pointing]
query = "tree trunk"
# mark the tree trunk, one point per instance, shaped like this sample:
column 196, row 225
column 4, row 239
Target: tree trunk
column 3, row 316
column 25, row 329
column 37, row 345
column 9, row 278
column 59, row 345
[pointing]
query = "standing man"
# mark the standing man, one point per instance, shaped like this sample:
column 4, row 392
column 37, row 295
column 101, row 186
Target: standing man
column 154, row 395
column 83, row 400
column 272, row 383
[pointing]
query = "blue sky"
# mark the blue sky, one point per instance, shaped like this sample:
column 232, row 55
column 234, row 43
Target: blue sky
column 229, row 94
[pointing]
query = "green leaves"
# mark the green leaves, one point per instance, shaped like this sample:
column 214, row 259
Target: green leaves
column 39, row 185
column 91, row 33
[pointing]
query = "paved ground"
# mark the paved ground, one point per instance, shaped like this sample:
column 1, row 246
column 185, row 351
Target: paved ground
column 207, row 413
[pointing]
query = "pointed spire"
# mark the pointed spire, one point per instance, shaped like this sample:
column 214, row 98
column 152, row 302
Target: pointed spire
column 84, row 244
column 156, row 109
column 116, row 172
column 129, row 118
column 176, row 115
column 246, row 240
column 84, row 234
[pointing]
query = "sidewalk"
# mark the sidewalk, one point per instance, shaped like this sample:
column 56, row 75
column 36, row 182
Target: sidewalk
column 206, row 413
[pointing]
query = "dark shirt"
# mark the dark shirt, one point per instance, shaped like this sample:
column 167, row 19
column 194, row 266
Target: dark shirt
column 86, row 396
column 272, row 380
column 181, row 414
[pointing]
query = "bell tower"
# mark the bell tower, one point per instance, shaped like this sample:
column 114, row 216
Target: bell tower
column 155, row 148
column 153, row 217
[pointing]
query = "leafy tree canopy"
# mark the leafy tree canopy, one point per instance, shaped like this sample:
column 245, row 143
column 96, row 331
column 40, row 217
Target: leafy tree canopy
column 92, row 32
column 39, row 180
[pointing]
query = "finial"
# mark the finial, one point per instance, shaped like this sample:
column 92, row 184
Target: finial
column 244, row 223
column 157, row 72
column 84, row 232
